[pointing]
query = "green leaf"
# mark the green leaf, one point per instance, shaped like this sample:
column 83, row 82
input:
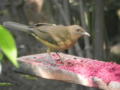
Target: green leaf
column 8, row 46
column 1, row 56
column 29, row 77
column 6, row 84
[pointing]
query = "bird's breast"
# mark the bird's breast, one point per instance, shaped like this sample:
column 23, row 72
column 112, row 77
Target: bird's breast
column 66, row 44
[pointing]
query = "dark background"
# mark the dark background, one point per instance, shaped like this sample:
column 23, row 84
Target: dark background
column 101, row 18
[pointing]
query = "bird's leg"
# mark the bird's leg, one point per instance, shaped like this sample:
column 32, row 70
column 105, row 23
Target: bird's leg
column 49, row 53
column 60, row 58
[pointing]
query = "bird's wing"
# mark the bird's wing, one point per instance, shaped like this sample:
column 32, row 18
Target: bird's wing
column 54, row 32
column 51, row 35
column 42, row 34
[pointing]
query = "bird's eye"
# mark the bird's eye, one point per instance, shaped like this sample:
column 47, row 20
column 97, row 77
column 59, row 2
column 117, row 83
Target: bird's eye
column 77, row 30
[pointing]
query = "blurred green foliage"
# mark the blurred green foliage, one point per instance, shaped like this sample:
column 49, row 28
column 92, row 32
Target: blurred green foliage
column 6, row 84
column 29, row 77
column 8, row 46
column 1, row 56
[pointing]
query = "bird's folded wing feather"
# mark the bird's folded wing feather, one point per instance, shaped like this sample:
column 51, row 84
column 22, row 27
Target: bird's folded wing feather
column 50, row 35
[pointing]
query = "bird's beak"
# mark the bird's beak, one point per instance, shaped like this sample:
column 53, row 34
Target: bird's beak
column 86, row 34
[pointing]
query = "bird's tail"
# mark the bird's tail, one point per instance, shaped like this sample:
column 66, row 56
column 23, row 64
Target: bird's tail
column 16, row 26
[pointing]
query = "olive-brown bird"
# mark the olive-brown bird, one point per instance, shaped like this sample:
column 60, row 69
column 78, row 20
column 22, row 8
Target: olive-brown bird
column 55, row 37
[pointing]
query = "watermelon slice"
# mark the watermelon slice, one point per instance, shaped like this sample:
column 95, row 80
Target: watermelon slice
column 74, row 69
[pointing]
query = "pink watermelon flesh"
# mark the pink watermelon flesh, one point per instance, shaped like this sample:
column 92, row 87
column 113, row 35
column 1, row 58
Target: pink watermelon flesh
column 89, row 68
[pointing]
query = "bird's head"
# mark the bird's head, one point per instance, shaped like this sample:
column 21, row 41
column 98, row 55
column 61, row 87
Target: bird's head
column 77, row 31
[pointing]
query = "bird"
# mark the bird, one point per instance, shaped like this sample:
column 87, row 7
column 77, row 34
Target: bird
column 55, row 37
